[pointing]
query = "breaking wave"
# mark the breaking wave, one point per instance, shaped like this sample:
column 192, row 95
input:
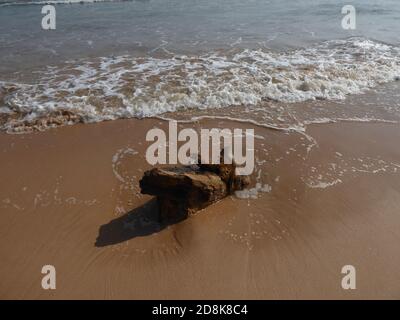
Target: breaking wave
column 124, row 87
column 52, row 2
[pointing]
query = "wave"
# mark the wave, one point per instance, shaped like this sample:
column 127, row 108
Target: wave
column 54, row 2
column 124, row 87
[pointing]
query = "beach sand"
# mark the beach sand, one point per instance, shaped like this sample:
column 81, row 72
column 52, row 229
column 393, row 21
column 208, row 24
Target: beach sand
column 70, row 198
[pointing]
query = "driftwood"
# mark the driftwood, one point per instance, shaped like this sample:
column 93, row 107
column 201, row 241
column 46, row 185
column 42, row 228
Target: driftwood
column 183, row 190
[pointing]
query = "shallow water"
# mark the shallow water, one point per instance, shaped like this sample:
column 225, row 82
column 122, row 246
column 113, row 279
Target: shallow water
column 143, row 27
column 113, row 59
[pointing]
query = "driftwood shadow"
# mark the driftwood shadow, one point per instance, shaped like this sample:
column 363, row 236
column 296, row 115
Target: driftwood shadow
column 139, row 222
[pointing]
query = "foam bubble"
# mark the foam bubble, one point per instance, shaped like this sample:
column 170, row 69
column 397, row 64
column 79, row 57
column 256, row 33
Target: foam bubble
column 253, row 193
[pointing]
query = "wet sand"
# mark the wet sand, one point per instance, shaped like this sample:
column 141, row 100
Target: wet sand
column 70, row 198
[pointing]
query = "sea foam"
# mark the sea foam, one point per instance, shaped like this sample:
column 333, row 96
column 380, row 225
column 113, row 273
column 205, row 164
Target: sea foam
column 110, row 88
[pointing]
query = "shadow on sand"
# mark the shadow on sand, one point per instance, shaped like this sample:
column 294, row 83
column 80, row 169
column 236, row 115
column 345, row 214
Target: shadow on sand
column 139, row 222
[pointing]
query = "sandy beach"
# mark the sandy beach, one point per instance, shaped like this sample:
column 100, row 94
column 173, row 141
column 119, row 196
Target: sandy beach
column 82, row 83
column 70, row 198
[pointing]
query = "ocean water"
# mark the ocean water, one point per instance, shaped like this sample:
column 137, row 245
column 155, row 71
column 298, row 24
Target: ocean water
column 119, row 59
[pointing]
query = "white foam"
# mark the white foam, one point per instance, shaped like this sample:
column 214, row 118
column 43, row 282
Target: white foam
column 253, row 193
column 125, row 87
column 323, row 184
column 116, row 159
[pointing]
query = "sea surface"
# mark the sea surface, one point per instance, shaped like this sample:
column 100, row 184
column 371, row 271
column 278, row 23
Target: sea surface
column 260, row 60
